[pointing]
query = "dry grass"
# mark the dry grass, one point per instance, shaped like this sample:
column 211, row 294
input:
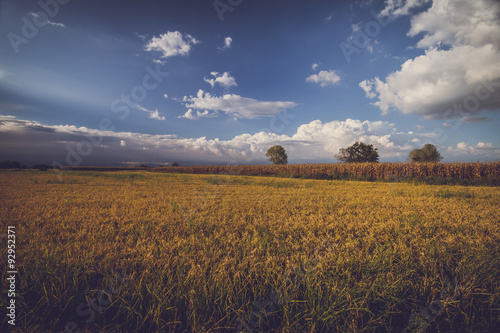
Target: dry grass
column 212, row 253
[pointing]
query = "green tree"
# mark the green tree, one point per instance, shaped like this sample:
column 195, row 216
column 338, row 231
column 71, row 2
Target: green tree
column 359, row 152
column 277, row 155
column 428, row 153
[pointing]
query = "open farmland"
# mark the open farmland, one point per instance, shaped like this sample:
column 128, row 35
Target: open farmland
column 142, row 251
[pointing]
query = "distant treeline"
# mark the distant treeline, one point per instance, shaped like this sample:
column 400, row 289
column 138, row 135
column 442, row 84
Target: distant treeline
column 476, row 171
column 101, row 168
column 45, row 167
column 11, row 165
column 17, row 165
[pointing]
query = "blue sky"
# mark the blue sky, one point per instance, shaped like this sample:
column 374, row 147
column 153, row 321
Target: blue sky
column 215, row 82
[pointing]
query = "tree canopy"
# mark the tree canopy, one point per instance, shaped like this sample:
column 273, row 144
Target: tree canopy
column 428, row 153
column 277, row 155
column 359, row 152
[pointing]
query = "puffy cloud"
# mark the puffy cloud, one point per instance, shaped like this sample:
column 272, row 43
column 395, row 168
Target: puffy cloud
column 484, row 145
column 367, row 86
column 332, row 136
column 165, row 96
column 123, row 143
column 190, row 114
column 227, row 43
column 454, row 22
column 225, row 80
column 482, row 150
column 432, row 83
column 324, row 78
column 153, row 114
column 314, row 66
column 171, row 44
column 466, row 147
column 458, row 75
column 235, row 105
column 395, row 8
column 156, row 115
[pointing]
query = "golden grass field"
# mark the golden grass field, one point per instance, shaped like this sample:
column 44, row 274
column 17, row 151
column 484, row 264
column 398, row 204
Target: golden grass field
column 142, row 251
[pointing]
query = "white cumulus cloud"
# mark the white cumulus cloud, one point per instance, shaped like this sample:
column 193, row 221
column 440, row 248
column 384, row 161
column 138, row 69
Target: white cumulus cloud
column 454, row 22
column 324, row 78
column 153, row 114
column 478, row 150
column 395, row 8
column 171, row 44
column 156, row 115
column 225, row 80
column 193, row 115
column 227, row 42
column 458, row 75
column 235, row 105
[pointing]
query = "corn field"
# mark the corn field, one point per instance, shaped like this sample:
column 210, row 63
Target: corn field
column 370, row 170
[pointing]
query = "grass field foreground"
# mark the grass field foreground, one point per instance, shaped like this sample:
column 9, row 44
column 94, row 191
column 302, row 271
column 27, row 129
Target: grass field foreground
column 140, row 251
